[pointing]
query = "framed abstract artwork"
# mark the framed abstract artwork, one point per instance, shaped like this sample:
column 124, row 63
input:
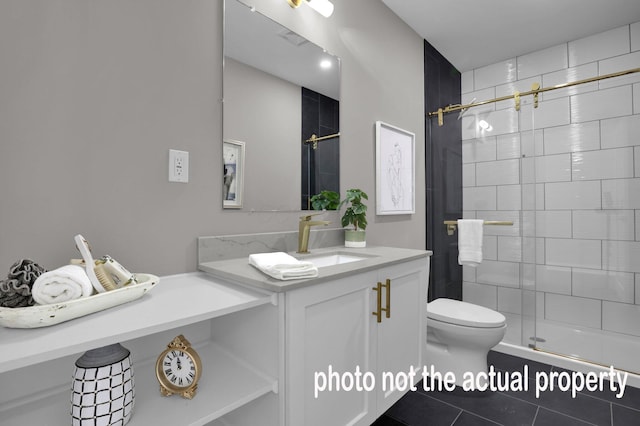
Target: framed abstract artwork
column 395, row 170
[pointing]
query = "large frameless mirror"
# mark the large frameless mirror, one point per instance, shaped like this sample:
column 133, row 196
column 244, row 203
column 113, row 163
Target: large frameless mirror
column 280, row 115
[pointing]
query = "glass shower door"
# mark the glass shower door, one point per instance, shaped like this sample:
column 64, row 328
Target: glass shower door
column 580, row 216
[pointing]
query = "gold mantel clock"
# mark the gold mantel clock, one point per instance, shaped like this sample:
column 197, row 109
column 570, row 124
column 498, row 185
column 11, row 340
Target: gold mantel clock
column 178, row 369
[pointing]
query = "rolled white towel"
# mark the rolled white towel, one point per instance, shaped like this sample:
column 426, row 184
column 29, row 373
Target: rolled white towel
column 282, row 266
column 66, row 283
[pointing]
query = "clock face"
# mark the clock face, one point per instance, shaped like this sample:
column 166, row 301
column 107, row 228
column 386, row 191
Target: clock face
column 179, row 368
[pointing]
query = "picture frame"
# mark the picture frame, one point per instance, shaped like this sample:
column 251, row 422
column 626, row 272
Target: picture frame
column 233, row 153
column 395, row 170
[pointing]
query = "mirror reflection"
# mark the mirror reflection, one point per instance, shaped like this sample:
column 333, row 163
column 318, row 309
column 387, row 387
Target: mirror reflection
column 281, row 101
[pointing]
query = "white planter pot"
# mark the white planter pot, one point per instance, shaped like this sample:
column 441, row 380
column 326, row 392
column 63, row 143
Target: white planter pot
column 353, row 238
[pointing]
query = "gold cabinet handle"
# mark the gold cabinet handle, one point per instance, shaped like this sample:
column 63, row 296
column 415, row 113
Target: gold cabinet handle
column 378, row 314
column 388, row 308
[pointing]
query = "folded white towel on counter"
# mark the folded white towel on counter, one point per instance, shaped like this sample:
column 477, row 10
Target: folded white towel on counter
column 66, row 283
column 470, row 242
column 283, row 266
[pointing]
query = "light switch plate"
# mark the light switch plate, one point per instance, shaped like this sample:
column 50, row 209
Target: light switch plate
column 178, row 166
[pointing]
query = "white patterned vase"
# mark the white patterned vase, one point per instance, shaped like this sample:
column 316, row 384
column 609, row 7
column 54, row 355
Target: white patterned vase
column 103, row 390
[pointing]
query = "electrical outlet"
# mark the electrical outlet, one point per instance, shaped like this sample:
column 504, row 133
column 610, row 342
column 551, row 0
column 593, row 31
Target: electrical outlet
column 178, row 166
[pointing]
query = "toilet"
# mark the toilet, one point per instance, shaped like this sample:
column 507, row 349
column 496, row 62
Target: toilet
column 460, row 335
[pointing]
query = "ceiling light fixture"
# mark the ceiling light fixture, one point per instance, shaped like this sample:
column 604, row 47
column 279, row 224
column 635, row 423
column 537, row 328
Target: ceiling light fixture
column 323, row 7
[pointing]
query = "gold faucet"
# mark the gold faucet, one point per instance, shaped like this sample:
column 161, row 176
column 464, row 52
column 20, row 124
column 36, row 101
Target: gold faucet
column 303, row 231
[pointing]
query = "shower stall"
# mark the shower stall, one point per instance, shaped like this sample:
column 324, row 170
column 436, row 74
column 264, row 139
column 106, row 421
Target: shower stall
column 557, row 154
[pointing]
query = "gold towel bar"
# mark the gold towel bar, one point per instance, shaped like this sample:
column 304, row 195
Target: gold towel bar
column 452, row 225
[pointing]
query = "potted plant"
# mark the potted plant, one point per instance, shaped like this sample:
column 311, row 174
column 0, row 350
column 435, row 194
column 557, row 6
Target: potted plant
column 325, row 200
column 356, row 216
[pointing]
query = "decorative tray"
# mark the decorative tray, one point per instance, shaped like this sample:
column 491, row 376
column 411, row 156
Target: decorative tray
column 45, row 315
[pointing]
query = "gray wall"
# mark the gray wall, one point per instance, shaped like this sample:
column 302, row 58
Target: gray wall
column 93, row 94
column 265, row 113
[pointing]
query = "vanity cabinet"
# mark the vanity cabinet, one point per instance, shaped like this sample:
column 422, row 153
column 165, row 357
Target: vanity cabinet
column 332, row 330
column 234, row 329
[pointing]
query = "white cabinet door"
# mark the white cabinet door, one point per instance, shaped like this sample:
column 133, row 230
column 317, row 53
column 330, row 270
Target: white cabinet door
column 329, row 326
column 401, row 336
column 336, row 349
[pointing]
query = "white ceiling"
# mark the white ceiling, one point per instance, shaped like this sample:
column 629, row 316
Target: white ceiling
column 475, row 33
column 262, row 43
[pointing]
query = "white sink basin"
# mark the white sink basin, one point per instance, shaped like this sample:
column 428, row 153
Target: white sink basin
column 333, row 259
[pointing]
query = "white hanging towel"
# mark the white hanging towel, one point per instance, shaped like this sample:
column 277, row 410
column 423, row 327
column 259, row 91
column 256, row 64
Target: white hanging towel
column 470, row 242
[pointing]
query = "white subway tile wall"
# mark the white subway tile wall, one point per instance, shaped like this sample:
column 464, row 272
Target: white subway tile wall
column 509, row 300
column 572, row 138
column 483, row 295
column 603, row 164
column 553, row 223
column 506, row 274
column 542, row 62
column 621, row 194
column 607, row 103
column 503, row 172
column 508, row 146
column 605, row 285
column 635, row 36
column 621, row 317
column 569, row 75
column 599, row 46
column 567, row 173
column 578, row 311
column 548, row 114
column 494, row 75
column 623, row 62
column 573, row 252
column 489, row 247
column 553, row 279
column 620, row 131
column 573, row 195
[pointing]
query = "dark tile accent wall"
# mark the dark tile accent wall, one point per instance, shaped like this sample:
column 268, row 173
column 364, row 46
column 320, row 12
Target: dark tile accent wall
column 320, row 167
column 444, row 173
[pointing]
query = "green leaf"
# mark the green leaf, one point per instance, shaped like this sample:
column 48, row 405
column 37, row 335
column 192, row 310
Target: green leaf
column 325, row 200
column 355, row 214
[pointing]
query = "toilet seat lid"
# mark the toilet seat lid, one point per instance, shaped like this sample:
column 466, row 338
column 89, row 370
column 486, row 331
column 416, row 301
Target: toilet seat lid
column 463, row 313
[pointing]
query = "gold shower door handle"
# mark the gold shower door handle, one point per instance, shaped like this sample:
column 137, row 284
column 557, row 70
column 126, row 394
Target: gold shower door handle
column 378, row 314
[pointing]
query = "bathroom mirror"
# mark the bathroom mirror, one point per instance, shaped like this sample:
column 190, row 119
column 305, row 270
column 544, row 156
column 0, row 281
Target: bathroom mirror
column 279, row 90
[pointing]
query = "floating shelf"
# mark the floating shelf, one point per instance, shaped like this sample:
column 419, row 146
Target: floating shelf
column 164, row 308
column 228, row 382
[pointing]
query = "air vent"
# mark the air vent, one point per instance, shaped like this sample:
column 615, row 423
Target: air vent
column 292, row 37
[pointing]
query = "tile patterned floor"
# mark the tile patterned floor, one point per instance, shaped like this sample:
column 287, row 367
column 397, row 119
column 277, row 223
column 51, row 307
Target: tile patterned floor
column 552, row 408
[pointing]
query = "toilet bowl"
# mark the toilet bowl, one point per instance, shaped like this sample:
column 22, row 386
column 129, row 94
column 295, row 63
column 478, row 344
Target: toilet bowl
column 460, row 335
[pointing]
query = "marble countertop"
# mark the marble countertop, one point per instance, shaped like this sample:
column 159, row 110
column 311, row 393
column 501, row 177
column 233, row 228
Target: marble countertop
column 239, row 270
